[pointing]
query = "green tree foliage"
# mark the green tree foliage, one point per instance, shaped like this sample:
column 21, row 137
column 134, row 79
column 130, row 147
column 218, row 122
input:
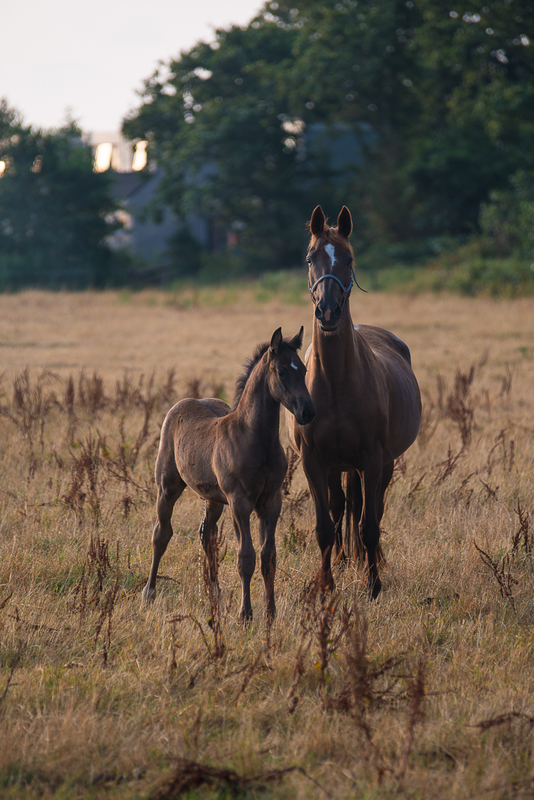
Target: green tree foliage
column 439, row 99
column 508, row 218
column 479, row 130
column 55, row 211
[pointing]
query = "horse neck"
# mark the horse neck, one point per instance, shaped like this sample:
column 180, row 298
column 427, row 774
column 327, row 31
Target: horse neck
column 336, row 350
column 257, row 410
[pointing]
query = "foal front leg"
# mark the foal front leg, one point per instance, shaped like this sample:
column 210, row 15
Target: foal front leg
column 241, row 510
column 268, row 511
column 208, row 538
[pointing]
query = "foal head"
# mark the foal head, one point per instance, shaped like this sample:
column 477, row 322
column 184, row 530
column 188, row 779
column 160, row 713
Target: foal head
column 287, row 375
column 330, row 262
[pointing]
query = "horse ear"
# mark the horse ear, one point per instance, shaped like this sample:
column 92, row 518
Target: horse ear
column 344, row 222
column 297, row 340
column 317, row 221
column 276, row 340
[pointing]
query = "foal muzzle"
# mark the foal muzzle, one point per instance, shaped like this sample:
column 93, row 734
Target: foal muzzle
column 304, row 413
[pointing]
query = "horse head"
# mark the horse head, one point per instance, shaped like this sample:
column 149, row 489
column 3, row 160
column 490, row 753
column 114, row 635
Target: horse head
column 330, row 262
column 287, row 379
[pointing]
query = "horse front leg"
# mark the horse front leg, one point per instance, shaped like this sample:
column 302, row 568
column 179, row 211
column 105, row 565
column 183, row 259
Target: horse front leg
column 170, row 487
column 268, row 511
column 325, row 532
column 241, row 510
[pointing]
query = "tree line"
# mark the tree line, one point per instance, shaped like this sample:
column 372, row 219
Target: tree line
column 417, row 115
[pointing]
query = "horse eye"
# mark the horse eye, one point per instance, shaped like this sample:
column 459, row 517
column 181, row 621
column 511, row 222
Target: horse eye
column 308, row 261
column 282, row 371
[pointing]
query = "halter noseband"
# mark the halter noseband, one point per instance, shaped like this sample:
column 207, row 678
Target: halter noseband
column 345, row 289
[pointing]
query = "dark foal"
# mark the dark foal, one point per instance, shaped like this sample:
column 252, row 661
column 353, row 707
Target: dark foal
column 234, row 457
column 367, row 401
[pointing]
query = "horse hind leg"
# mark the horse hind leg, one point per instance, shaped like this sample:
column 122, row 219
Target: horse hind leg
column 372, row 483
column 170, row 487
column 387, row 474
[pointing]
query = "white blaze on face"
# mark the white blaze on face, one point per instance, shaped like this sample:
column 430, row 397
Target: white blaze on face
column 330, row 249
column 294, row 365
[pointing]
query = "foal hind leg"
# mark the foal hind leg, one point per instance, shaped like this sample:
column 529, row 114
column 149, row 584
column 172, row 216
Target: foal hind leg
column 170, row 487
column 268, row 512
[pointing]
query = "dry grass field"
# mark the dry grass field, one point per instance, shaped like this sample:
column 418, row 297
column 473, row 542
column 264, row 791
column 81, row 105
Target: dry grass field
column 427, row 693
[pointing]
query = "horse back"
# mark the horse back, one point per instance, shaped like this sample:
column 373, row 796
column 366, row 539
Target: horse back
column 383, row 341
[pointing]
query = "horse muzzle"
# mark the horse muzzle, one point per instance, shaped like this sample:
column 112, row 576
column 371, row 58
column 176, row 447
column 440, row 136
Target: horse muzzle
column 328, row 318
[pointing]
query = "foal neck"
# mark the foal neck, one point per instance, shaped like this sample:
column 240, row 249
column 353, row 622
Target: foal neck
column 257, row 408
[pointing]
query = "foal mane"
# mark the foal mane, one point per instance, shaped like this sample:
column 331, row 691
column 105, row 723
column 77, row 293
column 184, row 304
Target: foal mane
column 249, row 365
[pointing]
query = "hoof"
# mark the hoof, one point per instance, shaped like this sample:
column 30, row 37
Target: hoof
column 341, row 560
column 246, row 618
column 148, row 596
column 375, row 588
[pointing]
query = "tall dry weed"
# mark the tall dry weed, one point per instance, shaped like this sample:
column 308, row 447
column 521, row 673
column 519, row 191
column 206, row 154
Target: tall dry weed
column 425, row 693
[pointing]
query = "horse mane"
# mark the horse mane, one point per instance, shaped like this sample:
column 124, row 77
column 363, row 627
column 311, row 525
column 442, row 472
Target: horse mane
column 249, row 365
column 332, row 236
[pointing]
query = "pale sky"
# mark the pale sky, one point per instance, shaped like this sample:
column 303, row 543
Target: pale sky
column 89, row 58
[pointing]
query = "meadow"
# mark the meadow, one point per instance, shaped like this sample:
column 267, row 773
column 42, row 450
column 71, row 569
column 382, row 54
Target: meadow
column 426, row 693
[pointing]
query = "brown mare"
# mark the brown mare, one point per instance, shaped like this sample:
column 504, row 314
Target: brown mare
column 234, row 457
column 367, row 402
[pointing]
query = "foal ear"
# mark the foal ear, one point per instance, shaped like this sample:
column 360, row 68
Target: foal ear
column 276, row 340
column 297, row 340
column 317, row 221
column 344, row 223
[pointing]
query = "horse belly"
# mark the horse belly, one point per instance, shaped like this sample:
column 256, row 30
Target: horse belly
column 404, row 416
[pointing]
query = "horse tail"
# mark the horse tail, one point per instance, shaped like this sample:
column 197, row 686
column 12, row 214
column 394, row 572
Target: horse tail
column 353, row 510
column 354, row 547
